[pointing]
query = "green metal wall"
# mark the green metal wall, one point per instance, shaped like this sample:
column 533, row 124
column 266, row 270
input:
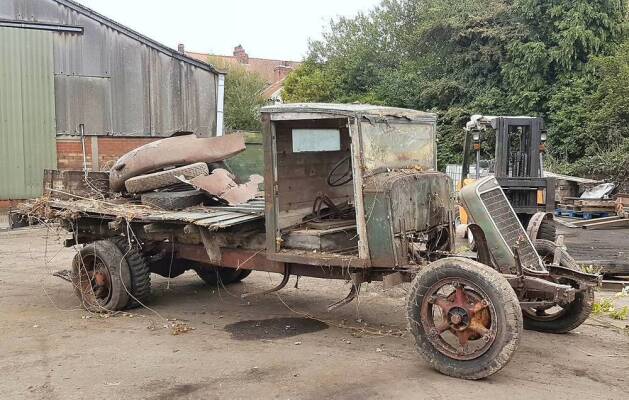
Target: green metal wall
column 27, row 111
column 250, row 161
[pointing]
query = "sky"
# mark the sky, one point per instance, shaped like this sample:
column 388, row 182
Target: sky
column 277, row 29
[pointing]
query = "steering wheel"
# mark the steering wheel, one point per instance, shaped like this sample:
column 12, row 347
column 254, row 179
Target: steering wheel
column 345, row 177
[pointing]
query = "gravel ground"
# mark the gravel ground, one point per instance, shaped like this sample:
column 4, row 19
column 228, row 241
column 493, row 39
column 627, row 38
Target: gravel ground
column 262, row 348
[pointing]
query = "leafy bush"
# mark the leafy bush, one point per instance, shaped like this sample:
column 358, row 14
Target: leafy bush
column 603, row 306
column 621, row 314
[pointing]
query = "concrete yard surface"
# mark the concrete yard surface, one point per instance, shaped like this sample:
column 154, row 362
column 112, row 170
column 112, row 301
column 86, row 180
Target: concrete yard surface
column 260, row 348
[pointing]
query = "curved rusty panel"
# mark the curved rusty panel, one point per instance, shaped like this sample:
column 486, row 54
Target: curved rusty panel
column 536, row 221
column 179, row 150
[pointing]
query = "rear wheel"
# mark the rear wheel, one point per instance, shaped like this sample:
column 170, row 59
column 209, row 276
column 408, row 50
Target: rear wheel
column 215, row 276
column 465, row 317
column 101, row 277
column 564, row 318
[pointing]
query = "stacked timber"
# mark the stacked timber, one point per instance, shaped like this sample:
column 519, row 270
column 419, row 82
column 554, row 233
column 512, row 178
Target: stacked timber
column 586, row 208
column 616, row 216
column 622, row 205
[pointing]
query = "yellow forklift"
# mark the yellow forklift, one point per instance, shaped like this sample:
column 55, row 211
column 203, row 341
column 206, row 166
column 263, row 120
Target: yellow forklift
column 517, row 165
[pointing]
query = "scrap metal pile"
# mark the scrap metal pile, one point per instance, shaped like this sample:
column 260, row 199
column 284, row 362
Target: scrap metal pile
column 183, row 171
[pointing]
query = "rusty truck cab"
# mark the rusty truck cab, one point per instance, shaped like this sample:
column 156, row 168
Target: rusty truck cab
column 351, row 185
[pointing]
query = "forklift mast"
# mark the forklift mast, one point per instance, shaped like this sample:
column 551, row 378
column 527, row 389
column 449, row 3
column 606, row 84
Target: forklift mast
column 518, row 152
column 518, row 162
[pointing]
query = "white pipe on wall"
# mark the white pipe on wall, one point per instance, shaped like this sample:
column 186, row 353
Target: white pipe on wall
column 220, row 105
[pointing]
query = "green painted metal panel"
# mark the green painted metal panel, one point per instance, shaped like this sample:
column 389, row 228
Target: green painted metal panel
column 250, row 161
column 400, row 203
column 379, row 230
column 27, row 111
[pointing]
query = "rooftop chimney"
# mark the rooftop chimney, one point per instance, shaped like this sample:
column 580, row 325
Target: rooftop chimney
column 241, row 55
column 180, row 48
column 281, row 71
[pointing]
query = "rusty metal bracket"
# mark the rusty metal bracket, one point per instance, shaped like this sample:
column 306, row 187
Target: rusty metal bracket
column 275, row 289
column 357, row 279
column 560, row 294
column 353, row 293
column 482, row 249
column 584, row 279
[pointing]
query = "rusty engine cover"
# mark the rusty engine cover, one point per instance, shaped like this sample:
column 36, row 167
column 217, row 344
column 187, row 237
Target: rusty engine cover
column 173, row 151
column 400, row 204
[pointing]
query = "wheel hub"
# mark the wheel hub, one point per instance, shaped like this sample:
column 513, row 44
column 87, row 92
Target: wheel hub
column 460, row 321
column 459, row 318
column 100, row 278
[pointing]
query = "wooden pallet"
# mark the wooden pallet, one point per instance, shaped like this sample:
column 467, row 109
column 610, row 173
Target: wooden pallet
column 593, row 206
column 581, row 214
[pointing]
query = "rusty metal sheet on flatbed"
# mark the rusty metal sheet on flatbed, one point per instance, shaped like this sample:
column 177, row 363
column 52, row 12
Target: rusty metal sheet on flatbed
column 213, row 218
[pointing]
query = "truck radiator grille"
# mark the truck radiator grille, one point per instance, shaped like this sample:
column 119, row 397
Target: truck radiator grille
column 510, row 228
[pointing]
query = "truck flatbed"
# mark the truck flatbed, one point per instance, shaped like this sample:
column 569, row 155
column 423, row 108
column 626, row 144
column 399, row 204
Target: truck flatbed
column 211, row 217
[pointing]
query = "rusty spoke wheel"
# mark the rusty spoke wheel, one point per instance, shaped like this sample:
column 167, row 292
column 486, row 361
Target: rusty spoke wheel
column 465, row 317
column 458, row 318
column 101, row 277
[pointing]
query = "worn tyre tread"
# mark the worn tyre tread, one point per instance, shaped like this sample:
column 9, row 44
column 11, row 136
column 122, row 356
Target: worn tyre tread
column 173, row 200
column 579, row 310
column 140, row 274
column 472, row 369
column 162, row 179
column 547, row 231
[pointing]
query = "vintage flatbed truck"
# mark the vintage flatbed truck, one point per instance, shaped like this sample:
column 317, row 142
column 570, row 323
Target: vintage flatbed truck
column 350, row 192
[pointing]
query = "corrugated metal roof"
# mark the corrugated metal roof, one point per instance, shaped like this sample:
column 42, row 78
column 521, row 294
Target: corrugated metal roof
column 349, row 110
column 27, row 114
column 576, row 179
column 137, row 36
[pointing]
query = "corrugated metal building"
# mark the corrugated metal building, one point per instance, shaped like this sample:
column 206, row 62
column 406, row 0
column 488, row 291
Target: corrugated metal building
column 63, row 65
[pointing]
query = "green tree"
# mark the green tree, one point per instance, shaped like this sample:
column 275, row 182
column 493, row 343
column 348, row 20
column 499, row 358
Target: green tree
column 458, row 57
column 308, row 83
column 243, row 97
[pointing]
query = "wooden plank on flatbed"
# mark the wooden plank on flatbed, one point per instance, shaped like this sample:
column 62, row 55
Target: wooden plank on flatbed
column 618, row 223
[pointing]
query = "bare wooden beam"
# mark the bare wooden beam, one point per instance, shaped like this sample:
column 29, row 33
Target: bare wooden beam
column 620, row 222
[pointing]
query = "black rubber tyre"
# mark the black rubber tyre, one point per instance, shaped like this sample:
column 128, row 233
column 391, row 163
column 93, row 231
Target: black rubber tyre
column 569, row 316
column 242, row 275
column 214, row 276
column 547, row 231
column 173, row 200
column 139, row 272
column 162, row 179
column 101, row 277
column 501, row 300
column 169, row 268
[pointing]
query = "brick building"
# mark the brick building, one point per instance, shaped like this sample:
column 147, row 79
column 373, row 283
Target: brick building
column 271, row 70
